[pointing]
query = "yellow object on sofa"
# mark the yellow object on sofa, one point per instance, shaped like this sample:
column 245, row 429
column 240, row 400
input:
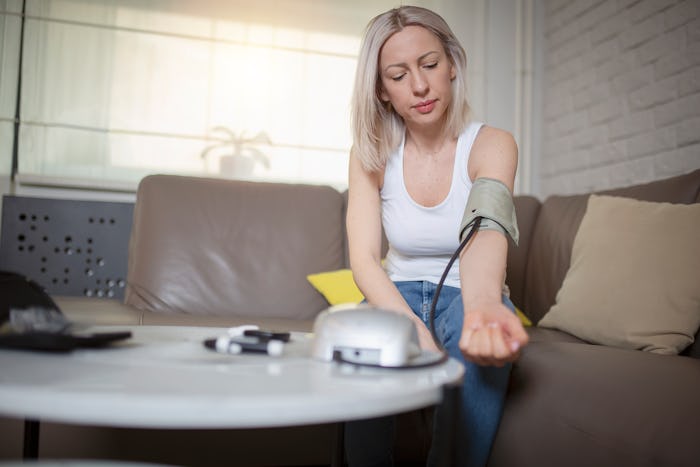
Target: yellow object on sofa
column 339, row 287
column 336, row 286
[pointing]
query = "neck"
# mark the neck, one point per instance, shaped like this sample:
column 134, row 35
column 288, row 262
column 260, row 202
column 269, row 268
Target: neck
column 428, row 143
column 428, row 139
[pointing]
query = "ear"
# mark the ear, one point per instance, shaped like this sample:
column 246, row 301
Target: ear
column 453, row 71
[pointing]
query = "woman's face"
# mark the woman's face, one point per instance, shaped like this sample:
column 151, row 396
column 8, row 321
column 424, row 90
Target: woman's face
column 416, row 76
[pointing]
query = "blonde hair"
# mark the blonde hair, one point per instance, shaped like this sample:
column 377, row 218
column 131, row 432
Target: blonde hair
column 377, row 128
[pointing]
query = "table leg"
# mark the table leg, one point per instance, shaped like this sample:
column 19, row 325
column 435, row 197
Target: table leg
column 338, row 453
column 31, row 439
column 447, row 417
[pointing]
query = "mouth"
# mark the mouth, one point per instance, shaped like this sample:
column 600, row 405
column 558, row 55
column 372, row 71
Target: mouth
column 425, row 106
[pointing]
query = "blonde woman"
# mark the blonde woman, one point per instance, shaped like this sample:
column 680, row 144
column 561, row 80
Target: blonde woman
column 415, row 158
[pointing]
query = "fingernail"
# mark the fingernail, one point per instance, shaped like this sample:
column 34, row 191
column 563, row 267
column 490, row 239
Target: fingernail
column 514, row 346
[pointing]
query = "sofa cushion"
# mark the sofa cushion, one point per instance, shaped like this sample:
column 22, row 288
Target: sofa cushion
column 540, row 334
column 232, row 248
column 550, row 251
column 97, row 311
column 633, row 279
column 590, row 405
column 337, row 286
column 557, row 223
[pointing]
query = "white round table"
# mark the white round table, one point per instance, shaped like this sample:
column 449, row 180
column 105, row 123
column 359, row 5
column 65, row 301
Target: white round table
column 163, row 377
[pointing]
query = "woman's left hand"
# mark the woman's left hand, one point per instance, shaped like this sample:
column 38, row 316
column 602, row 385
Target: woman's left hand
column 492, row 335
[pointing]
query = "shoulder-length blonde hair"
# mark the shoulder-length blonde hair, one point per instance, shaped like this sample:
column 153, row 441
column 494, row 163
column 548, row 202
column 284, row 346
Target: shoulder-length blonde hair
column 377, row 128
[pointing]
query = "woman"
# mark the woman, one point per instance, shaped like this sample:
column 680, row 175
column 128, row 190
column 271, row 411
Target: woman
column 414, row 159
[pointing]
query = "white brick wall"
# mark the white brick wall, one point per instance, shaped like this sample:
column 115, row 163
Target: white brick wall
column 621, row 93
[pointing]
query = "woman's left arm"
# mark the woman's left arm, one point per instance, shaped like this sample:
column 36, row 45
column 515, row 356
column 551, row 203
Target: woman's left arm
column 492, row 334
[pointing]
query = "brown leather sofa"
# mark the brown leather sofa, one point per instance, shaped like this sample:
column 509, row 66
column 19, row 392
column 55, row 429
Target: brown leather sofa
column 576, row 404
column 220, row 253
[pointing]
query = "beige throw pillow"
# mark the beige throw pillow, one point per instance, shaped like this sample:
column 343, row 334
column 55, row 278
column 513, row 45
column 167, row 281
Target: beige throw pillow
column 634, row 279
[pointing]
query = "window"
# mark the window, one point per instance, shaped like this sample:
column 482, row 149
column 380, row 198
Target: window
column 114, row 90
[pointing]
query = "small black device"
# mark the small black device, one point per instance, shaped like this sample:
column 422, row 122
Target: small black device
column 249, row 338
column 59, row 342
column 264, row 335
column 31, row 320
column 240, row 345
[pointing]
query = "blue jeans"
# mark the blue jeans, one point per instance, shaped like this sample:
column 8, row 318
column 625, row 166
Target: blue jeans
column 369, row 442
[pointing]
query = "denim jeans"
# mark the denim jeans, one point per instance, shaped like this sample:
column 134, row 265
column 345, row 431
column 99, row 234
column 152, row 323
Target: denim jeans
column 369, row 442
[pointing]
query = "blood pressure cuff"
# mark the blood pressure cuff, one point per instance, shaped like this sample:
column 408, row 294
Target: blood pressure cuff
column 491, row 200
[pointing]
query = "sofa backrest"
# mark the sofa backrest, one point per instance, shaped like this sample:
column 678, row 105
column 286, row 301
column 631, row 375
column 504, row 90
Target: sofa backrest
column 556, row 226
column 223, row 247
column 527, row 209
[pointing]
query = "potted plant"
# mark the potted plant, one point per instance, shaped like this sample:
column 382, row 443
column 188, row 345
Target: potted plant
column 242, row 154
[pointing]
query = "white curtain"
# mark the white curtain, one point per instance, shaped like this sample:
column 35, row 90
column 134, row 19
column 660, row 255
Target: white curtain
column 116, row 89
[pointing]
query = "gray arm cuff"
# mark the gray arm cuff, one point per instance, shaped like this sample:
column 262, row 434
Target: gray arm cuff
column 490, row 199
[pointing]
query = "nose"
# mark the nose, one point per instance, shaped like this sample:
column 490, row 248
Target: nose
column 419, row 84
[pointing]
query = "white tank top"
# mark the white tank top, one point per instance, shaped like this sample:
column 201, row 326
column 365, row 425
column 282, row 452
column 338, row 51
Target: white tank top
column 422, row 239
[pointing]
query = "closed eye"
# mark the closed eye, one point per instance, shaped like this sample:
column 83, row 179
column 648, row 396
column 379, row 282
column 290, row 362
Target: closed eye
column 398, row 77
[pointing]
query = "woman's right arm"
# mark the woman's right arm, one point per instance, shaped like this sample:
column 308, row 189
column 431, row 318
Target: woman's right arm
column 365, row 239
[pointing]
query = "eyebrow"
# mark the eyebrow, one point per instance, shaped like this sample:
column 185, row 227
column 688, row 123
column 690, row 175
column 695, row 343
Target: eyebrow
column 404, row 65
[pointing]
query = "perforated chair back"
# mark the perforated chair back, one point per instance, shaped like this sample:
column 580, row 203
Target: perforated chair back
column 69, row 247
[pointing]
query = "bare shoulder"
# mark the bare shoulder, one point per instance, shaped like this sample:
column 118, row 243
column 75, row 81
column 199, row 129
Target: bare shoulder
column 494, row 155
column 495, row 138
column 360, row 180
